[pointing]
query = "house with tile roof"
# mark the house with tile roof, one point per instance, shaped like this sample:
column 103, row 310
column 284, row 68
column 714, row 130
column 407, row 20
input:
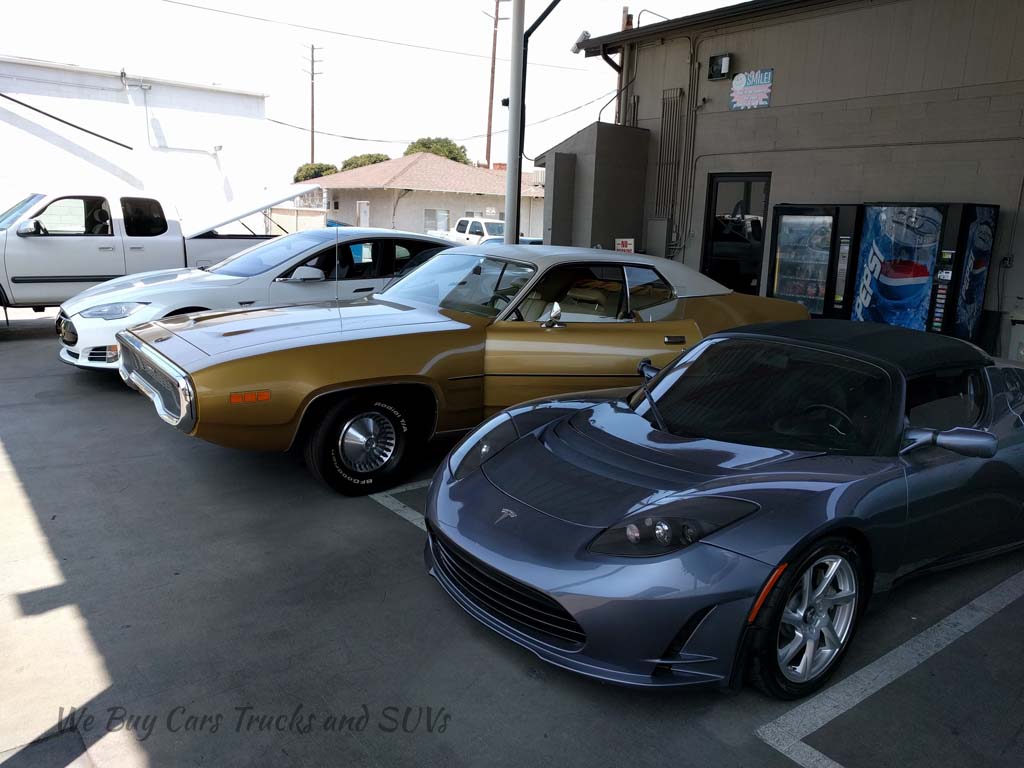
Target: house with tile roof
column 425, row 192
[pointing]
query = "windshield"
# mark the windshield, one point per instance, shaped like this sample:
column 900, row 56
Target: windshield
column 494, row 227
column 271, row 253
column 774, row 395
column 13, row 213
column 463, row 282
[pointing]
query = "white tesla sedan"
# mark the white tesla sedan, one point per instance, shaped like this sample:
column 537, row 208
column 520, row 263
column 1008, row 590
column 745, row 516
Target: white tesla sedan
column 314, row 265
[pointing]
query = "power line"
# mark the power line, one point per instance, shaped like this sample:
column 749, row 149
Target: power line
column 464, row 138
column 354, row 36
column 62, row 120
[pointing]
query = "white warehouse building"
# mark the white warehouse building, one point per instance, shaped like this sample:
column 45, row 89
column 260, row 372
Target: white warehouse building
column 204, row 147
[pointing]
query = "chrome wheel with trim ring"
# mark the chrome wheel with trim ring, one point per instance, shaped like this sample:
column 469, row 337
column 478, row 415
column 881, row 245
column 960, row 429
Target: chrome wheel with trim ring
column 367, row 442
column 818, row 618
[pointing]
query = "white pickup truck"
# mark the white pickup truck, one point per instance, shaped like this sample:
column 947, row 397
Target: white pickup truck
column 55, row 246
column 470, row 231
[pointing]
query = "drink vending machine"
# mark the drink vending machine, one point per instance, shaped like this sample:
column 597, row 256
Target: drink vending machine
column 923, row 266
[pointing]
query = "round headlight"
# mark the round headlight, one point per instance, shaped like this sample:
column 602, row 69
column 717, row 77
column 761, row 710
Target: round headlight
column 632, row 533
column 663, row 532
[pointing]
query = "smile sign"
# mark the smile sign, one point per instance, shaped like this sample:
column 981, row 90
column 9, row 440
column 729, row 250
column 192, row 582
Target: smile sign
column 751, row 90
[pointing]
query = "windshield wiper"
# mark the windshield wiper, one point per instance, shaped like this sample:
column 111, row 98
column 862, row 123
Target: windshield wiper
column 648, row 372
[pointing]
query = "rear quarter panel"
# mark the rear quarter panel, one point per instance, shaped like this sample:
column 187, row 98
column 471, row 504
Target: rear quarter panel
column 731, row 310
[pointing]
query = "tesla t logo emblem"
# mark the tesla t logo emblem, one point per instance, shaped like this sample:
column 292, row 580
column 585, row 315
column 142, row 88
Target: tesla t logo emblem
column 505, row 514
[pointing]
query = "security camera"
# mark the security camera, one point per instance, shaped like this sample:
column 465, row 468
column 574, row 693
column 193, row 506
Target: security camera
column 584, row 36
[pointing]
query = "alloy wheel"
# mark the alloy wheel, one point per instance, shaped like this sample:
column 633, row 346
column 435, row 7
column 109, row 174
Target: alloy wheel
column 367, row 442
column 817, row 619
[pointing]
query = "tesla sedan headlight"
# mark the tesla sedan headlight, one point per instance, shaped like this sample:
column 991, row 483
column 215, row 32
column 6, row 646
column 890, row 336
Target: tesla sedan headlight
column 482, row 445
column 114, row 311
column 650, row 535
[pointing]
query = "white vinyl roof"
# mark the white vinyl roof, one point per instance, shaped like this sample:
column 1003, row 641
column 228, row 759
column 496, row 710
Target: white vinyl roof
column 687, row 281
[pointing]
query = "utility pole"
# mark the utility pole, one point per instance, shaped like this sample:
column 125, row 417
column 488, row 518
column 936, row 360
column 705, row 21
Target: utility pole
column 313, row 61
column 517, row 115
column 513, row 171
column 494, row 53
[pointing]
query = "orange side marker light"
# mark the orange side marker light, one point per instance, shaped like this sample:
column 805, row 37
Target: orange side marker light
column 764, row 592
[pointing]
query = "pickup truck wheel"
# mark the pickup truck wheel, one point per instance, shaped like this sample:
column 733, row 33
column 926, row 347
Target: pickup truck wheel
column 359, row 446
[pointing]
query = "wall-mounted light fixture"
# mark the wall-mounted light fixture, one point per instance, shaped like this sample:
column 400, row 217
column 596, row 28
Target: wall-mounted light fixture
column 720, row 66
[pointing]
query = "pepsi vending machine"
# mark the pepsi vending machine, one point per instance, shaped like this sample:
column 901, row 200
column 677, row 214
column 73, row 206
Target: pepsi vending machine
column 924, row 266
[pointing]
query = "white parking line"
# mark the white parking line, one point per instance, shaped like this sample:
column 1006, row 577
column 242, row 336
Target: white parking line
column 786, row 734
column 387, row 499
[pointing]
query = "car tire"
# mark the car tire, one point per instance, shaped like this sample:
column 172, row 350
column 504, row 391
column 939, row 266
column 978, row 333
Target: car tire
column 359, row 447
column 789, row 622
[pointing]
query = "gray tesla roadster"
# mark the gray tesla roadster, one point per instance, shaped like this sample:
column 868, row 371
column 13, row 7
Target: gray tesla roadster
column 729, row 519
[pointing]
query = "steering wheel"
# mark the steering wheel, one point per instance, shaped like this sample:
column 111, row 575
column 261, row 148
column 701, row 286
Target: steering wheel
column 499, row 301
column 832, row 409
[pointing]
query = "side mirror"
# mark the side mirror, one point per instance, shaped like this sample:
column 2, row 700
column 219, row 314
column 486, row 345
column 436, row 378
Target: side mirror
column 645, row 369
column 555, row 318
column 965, row 441
column 304, row 275
column 30, row 228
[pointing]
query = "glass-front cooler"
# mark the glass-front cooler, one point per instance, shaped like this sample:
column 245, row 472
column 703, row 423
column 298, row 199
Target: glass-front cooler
column 810, row 256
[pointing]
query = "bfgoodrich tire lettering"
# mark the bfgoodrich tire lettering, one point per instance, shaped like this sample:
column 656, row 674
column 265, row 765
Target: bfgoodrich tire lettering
column 359, row 446
column 807, row 623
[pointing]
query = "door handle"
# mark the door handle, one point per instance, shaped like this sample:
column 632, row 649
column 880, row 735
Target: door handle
column 675, row 339
column 136, row 248
column 362, row 290
column 106, row 247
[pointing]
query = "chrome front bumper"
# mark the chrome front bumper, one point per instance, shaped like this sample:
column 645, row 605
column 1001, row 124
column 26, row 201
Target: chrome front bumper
column 165, row 384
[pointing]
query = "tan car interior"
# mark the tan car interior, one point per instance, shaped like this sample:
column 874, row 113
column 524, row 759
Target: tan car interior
column 583, row 293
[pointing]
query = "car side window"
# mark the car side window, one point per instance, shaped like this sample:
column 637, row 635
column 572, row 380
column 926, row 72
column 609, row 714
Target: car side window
column 647, row 290
column 77, row 216
column 585, row 293
column 359, row 261
column 946, row 399
column 409, row 254
column 326, row 261
column 143, row 217
column 461, row 226
column 476, row 228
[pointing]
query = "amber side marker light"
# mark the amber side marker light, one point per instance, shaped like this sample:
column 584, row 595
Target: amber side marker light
column 764, row 592
column 253, row 396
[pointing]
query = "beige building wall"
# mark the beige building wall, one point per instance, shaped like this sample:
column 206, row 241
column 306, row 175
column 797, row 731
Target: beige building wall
column 892, row 100
column 407, row 210
column 296, row 219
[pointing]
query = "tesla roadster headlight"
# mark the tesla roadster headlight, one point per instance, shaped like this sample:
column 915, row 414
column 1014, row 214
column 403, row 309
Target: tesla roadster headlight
column 114, row 311
column 650, row 535
column 482, row 445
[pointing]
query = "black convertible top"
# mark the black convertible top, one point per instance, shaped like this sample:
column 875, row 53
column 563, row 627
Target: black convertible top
column 912, row 352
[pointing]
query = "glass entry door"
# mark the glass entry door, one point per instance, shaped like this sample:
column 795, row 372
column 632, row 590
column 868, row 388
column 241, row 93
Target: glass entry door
column 734, row 230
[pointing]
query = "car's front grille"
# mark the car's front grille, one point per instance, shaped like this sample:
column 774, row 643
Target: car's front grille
column 525, row 608
column 160, row 380
column 66, row 330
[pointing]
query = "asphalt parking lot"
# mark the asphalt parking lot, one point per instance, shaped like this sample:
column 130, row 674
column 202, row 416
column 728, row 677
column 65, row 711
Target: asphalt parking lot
column 214, row 600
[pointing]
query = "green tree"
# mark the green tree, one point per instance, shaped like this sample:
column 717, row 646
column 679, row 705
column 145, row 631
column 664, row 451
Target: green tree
column 308, row 171
column 358, row 161
column 442, row 146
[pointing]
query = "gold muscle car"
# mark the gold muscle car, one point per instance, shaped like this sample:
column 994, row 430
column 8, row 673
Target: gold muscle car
column 359, row 385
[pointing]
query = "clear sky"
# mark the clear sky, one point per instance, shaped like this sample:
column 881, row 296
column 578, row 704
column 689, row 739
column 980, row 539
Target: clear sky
column 368, row 89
